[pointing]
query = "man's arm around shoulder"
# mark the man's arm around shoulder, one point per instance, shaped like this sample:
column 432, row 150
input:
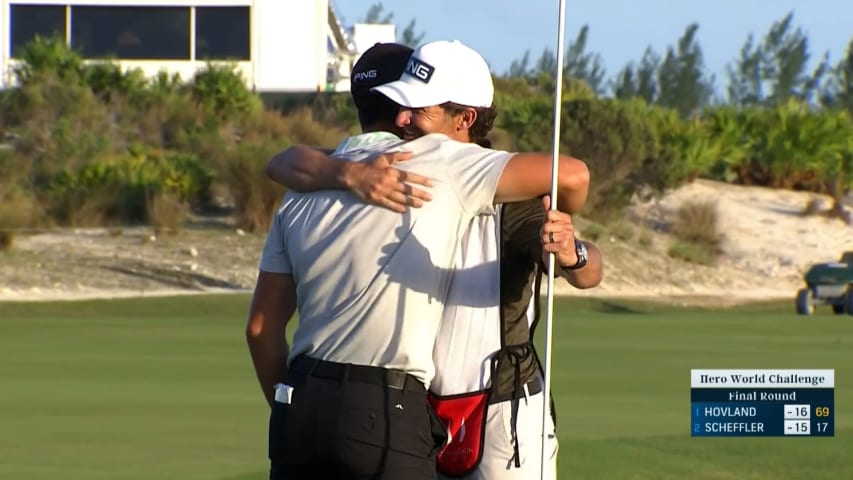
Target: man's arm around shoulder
column 528, row 175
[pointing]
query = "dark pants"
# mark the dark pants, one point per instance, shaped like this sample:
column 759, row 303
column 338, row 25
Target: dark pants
column 353, row 422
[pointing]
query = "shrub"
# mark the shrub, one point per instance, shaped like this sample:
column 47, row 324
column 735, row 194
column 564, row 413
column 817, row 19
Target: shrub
column 255, row 196
column 615, row 140
column 697, row 232
column 7, row 239
column 814, row 206
column 120, row 188
column 693, row 253
column 166, row 212
column 221, row 90
column 697, row 222
column 58, row 125
column 48, row 56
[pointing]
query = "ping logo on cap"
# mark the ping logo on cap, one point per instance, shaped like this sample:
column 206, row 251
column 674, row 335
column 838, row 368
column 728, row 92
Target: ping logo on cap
column 368, row 75
column 420, row 69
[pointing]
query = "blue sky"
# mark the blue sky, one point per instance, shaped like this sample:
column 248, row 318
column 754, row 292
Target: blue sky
column 620, row 30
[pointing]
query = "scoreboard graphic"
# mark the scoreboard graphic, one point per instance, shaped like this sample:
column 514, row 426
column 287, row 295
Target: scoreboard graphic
column 762, row 403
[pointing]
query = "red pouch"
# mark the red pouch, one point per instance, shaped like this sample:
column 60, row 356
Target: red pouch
column 464, row 416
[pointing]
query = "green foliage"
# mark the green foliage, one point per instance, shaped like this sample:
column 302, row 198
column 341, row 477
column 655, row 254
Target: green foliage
column 121, row 188
column 697, row 232
column 222, row 91
column 616, row 141
column 691, row 252
column 688, row 149
column 256, row 197
column 96, row 143
column 48, row 56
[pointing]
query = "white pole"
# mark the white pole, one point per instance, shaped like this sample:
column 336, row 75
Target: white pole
column 549, row 312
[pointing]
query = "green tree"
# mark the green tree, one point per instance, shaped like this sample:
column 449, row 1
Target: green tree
column 638, row 81
column 409, row 36
column 583, row 65
column 745, row 79
column 837, row 90
column 376, row 14
column 681, row 76
column 785, row 57
column 520, row 68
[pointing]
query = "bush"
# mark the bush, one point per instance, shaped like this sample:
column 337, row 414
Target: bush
column 256, row 197
column 693, row 253
column 615, row 140
column 697, row 222
column 7, row 239
column 815, row 206
column 697, row 232
column 58, row 125
column 19, row 208
column 120, row 189
column 222, row 92
column 166, row 212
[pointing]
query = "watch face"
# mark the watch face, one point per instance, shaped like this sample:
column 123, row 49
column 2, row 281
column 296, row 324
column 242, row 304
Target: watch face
column 581, row 249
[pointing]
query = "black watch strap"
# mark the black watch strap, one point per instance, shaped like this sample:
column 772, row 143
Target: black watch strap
column 583, row 256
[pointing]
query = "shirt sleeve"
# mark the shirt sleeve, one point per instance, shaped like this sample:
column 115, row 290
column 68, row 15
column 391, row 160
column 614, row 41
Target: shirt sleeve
column 521, row 223
column 274, row 258
column 474, row 173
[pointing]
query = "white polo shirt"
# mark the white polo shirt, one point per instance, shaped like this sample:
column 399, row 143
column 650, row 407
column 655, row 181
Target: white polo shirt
column 371, row 283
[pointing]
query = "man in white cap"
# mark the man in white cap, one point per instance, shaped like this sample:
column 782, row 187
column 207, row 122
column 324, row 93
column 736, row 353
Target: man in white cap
column 487, row 380
column 352, row 400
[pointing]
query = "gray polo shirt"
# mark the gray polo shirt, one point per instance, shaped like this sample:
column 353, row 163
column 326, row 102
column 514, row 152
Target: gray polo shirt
column 371, row 283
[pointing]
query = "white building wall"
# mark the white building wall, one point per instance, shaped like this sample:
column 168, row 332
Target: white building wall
column 291, row 44
column 5, row 74
column 288, row 44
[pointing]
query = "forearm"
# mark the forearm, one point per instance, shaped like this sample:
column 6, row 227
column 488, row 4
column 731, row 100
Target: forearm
column 304, row 169
column 588, row 276
column 572, row 185
column 269, row 357
column 273, row 304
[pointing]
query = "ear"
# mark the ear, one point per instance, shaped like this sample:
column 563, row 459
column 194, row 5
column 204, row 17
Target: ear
column 465, row 120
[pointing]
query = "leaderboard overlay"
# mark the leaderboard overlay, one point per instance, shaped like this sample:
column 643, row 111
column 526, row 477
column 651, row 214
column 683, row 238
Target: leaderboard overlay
column 762, row 403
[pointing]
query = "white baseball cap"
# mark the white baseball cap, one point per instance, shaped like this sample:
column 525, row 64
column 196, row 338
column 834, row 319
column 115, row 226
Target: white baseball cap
column 439, row 72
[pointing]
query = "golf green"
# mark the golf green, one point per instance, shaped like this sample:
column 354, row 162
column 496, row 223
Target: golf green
column 162, row 388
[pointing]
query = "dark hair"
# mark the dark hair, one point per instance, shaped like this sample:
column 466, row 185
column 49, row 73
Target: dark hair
column 379, row 111
column 482, row 125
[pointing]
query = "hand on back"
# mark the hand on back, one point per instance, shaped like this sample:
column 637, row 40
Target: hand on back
column 378, row 182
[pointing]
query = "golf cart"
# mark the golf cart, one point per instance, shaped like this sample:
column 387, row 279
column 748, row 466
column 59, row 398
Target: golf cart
column 828, row 284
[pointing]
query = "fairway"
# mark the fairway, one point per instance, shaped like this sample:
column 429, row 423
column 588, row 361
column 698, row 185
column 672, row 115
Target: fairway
column 163, row 388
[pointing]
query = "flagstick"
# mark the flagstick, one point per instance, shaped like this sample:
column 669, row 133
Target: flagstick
column 549, row 312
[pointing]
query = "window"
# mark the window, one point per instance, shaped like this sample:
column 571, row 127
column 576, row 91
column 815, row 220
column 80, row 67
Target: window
column 142, row 33
column 27, row 21
column 222, row 33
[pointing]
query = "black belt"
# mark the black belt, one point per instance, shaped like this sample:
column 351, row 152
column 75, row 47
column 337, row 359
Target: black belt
column 385, row 377
column 533, row 387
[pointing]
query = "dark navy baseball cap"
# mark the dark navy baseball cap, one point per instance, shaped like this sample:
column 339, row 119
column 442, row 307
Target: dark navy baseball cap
column 380, row 64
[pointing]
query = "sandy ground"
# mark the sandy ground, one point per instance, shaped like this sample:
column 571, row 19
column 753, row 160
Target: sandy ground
column 768, row 245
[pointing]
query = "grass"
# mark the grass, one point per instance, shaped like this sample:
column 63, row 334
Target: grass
column 163, row 388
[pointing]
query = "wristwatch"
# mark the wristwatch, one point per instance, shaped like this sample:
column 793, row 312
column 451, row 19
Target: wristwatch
column 583, row 256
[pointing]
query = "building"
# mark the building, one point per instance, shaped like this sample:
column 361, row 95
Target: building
column 280, row 46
